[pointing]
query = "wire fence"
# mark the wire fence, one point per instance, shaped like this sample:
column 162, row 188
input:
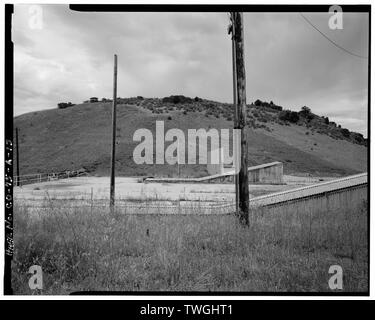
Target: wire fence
column 44, row 177
column 129, row 207
column 46, row 201
column 353, row 187
column 153, row 205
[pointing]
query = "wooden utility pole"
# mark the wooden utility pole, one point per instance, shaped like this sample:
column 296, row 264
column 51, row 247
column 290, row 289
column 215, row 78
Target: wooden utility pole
column 235, row 153
column 113, row 154
column 18, row 159
column 240, row 122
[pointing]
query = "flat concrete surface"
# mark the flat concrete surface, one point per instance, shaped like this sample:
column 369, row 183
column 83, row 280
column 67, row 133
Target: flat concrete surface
column 132, row 189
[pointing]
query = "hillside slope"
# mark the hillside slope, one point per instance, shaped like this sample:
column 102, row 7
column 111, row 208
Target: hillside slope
column 80, row 137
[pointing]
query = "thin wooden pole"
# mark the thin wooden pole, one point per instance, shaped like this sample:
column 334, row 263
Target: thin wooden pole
column 235, row 153
column 92, row 196
column 113, row 154
column 18, row 159
column 178, row 157
column 243, row 179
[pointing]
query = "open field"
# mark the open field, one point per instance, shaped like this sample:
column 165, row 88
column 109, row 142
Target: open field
column 80, row 250
column 286, row 248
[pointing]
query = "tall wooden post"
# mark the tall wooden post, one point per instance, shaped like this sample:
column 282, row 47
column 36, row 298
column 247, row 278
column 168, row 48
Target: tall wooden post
column 18, row 159
column 113, row 154
column 243, row 180
column 178, row 157
column 235, row 153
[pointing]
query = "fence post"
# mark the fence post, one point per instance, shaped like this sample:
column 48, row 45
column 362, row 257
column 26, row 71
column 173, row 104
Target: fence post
column 91, row 199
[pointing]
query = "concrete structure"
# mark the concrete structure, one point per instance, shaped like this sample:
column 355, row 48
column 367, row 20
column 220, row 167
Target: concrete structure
column 323, row 189
column 345, row 195
column 269, row 173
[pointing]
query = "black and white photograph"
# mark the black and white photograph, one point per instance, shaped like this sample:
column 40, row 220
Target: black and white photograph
column 187, row 150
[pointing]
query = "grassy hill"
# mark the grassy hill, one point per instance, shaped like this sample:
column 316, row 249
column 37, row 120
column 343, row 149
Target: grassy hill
column 79, row 136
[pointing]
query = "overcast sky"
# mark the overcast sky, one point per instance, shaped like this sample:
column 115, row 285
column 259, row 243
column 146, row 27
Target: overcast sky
column 160, row 54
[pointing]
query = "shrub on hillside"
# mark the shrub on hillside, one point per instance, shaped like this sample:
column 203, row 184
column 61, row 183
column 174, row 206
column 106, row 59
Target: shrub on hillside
column 177, row 99
column 290, row 116
column 264, row 104
column 345, row 132
column 276, row 107
column 262, row 118
column 358, row 137
column 306, row 113
column 63, row 105
column 332, row 123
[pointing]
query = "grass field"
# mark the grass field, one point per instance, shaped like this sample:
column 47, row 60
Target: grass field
column 80, row 250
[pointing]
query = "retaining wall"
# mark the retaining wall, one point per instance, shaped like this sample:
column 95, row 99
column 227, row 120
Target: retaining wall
column 269, row 173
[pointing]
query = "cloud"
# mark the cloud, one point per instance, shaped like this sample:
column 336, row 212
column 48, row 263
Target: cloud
column 159, row 54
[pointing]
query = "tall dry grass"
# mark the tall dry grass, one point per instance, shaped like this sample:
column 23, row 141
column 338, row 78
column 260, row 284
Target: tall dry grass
column 282, row 250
